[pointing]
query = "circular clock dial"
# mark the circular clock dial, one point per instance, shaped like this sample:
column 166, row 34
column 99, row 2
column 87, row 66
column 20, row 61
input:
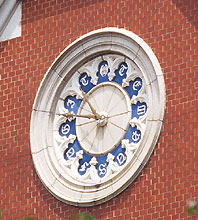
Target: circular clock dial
column 112, row 103
column 101, row 115
column 97, row 116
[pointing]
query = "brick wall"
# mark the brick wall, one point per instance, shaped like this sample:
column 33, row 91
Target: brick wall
column 170, row 178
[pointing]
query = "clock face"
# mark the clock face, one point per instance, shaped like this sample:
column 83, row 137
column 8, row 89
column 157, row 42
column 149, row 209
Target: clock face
column 103, row 135
column 97, row 117
column 100, row 118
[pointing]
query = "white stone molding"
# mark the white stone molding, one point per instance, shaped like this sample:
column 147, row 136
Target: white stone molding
column 10, row 22
column 58, row 175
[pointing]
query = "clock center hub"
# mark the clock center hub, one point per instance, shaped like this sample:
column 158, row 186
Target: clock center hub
column 103, row 119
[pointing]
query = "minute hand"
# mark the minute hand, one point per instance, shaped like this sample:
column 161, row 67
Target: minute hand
column 97, row 116
column 76, row 115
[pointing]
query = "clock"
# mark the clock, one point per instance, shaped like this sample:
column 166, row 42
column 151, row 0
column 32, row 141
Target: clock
column 97, row 117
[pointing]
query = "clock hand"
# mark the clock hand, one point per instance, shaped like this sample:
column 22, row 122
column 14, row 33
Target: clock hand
column 77, row 115
column 122, row 113
column 97, row 116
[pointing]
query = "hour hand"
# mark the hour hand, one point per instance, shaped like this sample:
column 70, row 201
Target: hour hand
column 68, row 115
column 97, row 116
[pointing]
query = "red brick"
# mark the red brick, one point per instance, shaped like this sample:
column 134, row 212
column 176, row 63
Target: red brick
column 169, row 180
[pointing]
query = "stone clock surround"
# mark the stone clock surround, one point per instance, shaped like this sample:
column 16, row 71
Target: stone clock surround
column 93, row 44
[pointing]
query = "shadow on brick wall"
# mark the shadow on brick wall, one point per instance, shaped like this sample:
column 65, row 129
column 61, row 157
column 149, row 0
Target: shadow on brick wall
column 34, row 10
column 189, row 9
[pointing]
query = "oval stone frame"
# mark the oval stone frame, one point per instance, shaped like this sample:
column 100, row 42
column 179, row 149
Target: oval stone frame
column 88, row 46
